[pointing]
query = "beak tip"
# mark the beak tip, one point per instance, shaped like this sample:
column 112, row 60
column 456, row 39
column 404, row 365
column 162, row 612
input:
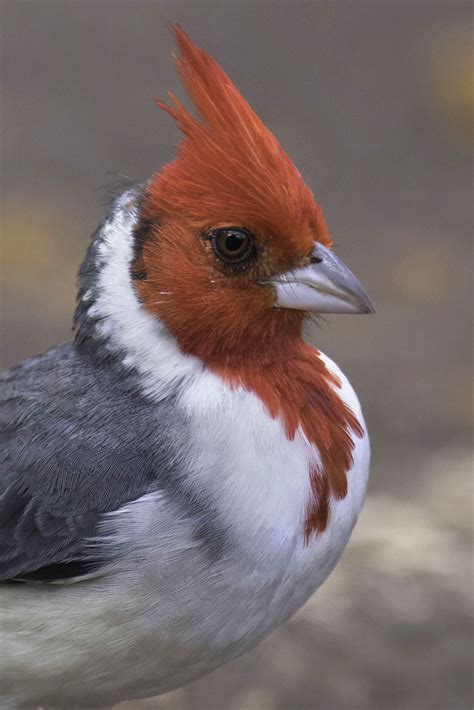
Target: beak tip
column 369, row 309
column 362, row 301
column 326, row 285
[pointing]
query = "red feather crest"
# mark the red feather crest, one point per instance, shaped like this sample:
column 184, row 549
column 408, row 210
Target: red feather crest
column 229, row 164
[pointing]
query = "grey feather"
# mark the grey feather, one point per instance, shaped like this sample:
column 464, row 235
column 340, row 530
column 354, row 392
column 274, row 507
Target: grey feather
column 77, row 440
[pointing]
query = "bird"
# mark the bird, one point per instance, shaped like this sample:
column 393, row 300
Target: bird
column 180, row 478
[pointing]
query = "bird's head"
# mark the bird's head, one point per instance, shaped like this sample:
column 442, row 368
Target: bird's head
column 231, row 249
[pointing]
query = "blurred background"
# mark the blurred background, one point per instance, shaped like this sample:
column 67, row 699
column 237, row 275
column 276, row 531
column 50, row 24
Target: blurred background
column 374, row 100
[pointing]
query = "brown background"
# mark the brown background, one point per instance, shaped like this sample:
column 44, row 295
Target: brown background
column 373, row 100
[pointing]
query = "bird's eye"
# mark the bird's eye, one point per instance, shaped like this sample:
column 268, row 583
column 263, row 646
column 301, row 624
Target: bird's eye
column 233, row 245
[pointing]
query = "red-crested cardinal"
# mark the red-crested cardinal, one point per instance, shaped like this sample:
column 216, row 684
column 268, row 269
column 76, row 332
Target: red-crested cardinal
column 181, row 478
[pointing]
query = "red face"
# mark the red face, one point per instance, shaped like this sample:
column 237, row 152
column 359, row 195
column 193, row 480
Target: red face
column 206, row 282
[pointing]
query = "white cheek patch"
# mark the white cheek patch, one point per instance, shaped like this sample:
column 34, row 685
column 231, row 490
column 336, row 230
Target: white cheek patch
column 146, row 344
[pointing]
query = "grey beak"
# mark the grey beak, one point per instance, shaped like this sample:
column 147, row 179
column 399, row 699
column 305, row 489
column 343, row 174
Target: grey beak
column 326, row 285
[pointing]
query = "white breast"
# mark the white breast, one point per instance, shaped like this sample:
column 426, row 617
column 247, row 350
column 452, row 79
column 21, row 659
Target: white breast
column 259, row 481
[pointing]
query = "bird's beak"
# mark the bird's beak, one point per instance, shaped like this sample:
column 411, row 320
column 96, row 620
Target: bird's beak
column 326, row 285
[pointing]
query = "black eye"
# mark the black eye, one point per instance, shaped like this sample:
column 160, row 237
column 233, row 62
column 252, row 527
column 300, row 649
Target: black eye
column 232, row 244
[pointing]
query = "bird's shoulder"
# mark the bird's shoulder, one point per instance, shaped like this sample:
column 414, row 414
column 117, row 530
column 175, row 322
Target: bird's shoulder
column 77, row 440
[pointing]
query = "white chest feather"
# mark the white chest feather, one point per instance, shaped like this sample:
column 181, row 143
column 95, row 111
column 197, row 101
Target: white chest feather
column 259, row 479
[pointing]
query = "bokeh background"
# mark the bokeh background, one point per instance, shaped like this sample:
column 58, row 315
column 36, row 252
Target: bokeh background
column 374, row 101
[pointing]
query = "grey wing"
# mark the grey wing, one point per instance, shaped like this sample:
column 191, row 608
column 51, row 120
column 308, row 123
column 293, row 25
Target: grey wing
column 76, row 441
